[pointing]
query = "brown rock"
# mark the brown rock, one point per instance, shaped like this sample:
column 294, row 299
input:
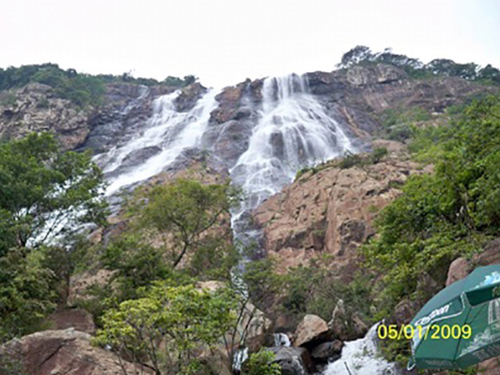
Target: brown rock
column 489, row 367
column 79, row 284
column 67, row 352
column 405, row 311
column 78, row 319
column 331, row 211
column 458, row 269
column 35, row 109
column 490, row 255
column 310, row 330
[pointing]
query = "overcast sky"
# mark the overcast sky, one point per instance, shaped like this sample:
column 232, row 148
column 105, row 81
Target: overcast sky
column 225, row 41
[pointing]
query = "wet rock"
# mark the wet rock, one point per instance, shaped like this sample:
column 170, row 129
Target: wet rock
column 293, row 361
column 310, row 330
column 327, row 351
column 189, row 96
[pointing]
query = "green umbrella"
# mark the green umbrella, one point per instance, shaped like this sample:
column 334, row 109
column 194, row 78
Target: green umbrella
column 459, row 326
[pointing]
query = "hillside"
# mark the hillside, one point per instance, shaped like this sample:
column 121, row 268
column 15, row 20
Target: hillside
column 347, row 197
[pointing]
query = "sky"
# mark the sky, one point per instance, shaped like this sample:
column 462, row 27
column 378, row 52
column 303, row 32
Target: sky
column 223, row 42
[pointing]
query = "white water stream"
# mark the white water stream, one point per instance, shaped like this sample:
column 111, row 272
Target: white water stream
column 361, row 357
column 293, row 132
column 168, row 132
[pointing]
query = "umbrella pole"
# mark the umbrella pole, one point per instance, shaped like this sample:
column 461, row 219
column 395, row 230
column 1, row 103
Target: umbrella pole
column 347, row 368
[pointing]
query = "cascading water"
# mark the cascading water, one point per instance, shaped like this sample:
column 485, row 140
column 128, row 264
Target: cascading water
column 293, row 132
column 165, row 135
column 361, row 357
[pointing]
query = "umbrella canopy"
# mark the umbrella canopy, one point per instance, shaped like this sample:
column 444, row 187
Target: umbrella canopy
column 459, row 326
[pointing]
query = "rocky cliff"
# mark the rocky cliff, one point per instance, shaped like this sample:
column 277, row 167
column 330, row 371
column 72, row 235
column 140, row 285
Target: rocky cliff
column 328, row 209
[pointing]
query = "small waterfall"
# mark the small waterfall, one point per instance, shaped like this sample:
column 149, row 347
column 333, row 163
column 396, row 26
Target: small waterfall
column 239, row 357
column 361, row 357
column 165, row 135
column 293, row 132
column 281, row 339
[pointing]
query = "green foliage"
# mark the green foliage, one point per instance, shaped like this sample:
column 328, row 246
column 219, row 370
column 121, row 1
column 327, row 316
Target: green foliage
column 26, row 292
column 261, row 363
column 315, row 289
column 41, row 189
column 193, row 219
column 361, row 55
column 40, row 184
column 440, row 216
column 10, row 364
column 164, row 329
column 378, row 154
column 351, row 160
column 82, row 89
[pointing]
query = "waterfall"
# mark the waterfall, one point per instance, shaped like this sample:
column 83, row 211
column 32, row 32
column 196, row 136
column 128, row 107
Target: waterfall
column 164, row 136
column 281, row 339
column 361, row 357
column 293, row 132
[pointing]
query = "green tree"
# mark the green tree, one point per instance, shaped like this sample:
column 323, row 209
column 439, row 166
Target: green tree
column 43, row 191
column 166, row 328
column 26, row 292
column 184, row 212
column 441, row 216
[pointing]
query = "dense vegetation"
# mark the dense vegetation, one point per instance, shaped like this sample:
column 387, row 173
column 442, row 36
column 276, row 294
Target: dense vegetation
column 415, row 68
column 82, row 89
column 43, row 193
column 439, row 217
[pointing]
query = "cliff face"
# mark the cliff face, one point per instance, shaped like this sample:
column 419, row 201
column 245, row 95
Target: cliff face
column 331, row 210
column 357, row 98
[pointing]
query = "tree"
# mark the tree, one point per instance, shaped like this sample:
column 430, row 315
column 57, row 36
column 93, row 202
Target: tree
column 441, row 216
column 166, row 329
column 27, row 293
column 183, row 213
column 44, row 191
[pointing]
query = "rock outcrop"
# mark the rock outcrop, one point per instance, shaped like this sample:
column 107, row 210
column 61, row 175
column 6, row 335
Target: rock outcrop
column 331, row 210
column 35, row 108
column 293, row 361
column 310, row 330
column 65, row 352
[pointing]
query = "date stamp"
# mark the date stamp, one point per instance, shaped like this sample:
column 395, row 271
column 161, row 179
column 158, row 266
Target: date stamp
column 432, row 332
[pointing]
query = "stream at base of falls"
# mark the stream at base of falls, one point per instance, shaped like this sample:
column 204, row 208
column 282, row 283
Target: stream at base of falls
column 292, row 131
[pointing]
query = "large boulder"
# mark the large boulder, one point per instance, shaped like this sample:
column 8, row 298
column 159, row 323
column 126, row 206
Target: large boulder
column 293, row 361
column 310, row 331
column 327, row 351
column 64, row 352
column 459, row 269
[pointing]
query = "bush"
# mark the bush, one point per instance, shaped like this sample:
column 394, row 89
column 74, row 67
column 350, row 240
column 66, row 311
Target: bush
column 260, row 363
